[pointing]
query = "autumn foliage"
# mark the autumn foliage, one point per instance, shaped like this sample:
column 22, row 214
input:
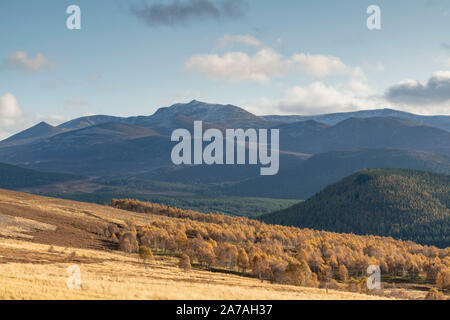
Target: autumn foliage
column 278, row 253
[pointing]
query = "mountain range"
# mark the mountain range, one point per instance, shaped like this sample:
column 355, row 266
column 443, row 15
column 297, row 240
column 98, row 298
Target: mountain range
column 314, row 150
column 441, row 122
column 377, row 132
column 309, row 177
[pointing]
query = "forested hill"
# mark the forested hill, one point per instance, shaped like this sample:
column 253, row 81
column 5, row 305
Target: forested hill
column 13, row 177
column 404, row 204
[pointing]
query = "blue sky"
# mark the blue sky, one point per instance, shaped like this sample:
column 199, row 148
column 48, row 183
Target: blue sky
column 271, row 57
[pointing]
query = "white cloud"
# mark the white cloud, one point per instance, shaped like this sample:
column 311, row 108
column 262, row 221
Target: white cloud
column 10, row 110
column 11, row 115
column 238, row 66
column 430, row 97
column 315, row 98
column 321, row 66
column 23, row 61
column 265, row 64
column 13, row 119
column 360, row 88
column 319, row 98
column 231, row 39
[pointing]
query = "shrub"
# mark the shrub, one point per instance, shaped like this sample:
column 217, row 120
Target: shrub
column 145, row 254
column 434, row 294
column 443, row 279
column 343, row 273
column 128, row 242
column 242, row 260
column 185, row 263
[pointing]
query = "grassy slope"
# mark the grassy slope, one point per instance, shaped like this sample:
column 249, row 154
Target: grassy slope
column 118, row 276
column 37, row 268
column 236, row 206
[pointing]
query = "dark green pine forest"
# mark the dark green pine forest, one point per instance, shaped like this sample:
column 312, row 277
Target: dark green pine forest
column 404, row 204
column 13, row 177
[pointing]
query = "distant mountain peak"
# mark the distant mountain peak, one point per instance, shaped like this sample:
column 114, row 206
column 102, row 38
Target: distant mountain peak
column 43, row 124
column 219, row 114
column 198, row 104
column 40, row 130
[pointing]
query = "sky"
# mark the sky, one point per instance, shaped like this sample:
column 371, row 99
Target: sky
column 131, row 57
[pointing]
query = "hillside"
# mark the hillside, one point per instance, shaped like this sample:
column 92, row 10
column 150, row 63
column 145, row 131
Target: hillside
column 41, row 237
column 89, row 121
column 404, row 204
column 92, row 151
column 112, row 146
column 225, row 116
column 307, row 178
column 233, row 206
column 13, row 177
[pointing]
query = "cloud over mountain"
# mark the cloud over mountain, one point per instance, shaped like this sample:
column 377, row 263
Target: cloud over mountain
column 9, row 110
column 319, row 98
column 322, row 66
column 14, row 119
column 239, row 66
column 265, row 64
column 434, row 93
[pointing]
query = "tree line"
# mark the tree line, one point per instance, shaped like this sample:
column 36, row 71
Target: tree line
column 280, row 254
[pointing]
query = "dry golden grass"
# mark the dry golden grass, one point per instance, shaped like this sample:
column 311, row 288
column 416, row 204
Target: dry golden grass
column 34, row 257
column 113, row 275
column 20, row 227
column 89, row 212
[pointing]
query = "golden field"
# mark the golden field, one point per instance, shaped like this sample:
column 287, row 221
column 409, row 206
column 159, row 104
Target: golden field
column 114, row 275
column 41, row 237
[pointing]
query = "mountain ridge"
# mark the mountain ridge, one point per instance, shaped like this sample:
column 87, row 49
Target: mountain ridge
column 311, row 176
column 238, row 117
column 41, row 130
column 438, row 121
column 106, row 145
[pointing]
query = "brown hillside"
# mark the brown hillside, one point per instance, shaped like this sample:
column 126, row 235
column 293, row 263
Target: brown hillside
column 40, row 237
